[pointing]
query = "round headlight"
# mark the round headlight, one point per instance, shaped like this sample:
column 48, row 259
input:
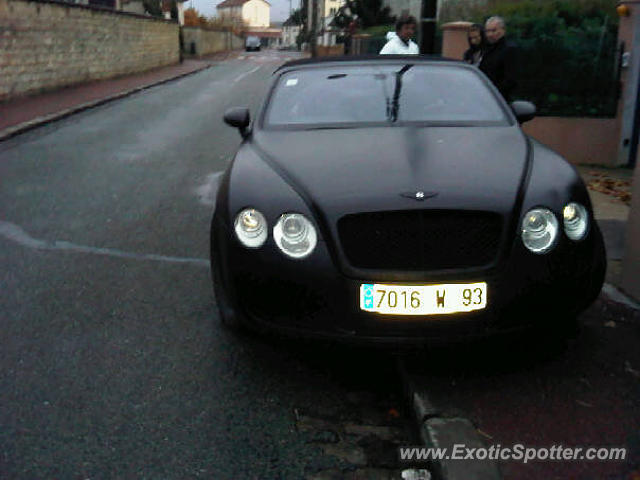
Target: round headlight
column 576, row 221
column 295, row 235
column 251, row 228
column 539, row 230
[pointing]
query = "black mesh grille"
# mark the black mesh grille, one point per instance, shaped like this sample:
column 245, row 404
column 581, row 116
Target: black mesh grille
column 420, row 239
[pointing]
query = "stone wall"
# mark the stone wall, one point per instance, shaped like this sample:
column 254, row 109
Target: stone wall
column 205, row 41
column 47, row 44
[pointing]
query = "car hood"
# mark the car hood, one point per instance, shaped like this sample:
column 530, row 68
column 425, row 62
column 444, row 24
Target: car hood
column 344, row 171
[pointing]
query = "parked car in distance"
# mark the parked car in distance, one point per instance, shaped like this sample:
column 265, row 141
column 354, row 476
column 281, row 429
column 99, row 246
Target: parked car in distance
column 252, row 43
column 396, row 199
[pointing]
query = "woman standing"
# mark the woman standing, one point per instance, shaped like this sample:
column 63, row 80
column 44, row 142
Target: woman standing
column 477, row 43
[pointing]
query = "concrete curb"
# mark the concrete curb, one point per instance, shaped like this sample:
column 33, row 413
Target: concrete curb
column 615, row 295
column 438, row 430
column 44, row 119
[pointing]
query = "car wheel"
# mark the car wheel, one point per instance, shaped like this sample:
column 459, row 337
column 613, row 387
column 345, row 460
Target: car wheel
column 229, row 317
column 598, row 274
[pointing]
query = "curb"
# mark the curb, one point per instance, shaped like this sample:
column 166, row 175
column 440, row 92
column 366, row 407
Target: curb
column 439, row 431
column 44, row 119
column 612, row 293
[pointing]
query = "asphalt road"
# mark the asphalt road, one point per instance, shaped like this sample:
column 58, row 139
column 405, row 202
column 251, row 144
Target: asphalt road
column 112, row 359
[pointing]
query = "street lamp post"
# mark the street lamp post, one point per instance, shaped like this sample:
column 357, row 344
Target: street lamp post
column 428, row 20
column 313, row 41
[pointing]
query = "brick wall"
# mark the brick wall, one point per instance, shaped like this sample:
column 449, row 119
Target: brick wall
column 46, row 45
column 207, row 41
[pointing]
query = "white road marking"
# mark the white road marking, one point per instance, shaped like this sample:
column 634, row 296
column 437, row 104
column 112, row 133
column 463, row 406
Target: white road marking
column 207, row 191
column 13, row 232
column 241, row 76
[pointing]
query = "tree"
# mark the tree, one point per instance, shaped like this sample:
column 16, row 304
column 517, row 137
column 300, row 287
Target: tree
column 368, row 12
column 297, row 17
column 193, row 18
column 152, row 7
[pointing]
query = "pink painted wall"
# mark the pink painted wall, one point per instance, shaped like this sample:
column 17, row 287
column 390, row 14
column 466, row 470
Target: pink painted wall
column 579, row 140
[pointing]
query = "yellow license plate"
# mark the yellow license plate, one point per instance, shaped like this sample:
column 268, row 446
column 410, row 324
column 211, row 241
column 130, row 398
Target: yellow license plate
column 423, row 299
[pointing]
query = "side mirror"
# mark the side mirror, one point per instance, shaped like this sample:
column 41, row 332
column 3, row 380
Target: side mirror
column 524, row 111
column 239, row 118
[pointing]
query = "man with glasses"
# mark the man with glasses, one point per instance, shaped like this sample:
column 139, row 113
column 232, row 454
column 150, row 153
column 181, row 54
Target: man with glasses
column 499, row 59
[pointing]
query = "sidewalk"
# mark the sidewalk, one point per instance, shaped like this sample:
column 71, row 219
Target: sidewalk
column 610, row 192
column 22, row 114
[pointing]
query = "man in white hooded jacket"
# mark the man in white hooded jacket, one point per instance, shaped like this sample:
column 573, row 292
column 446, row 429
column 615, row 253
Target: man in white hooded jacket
column 400, row 43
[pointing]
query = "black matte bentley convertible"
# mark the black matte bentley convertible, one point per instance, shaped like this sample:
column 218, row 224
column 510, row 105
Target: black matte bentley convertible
column 397, row 199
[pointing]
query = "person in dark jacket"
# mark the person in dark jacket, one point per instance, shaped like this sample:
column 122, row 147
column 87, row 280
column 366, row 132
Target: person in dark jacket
column 500, row 57
column 477, row 44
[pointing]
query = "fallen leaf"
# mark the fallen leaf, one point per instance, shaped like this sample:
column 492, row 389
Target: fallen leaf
column 610, row 324
column 584, row 404
column 484, row 434
column 393, row 413
column 617, row 188
column 625, row 197
column 634, row 475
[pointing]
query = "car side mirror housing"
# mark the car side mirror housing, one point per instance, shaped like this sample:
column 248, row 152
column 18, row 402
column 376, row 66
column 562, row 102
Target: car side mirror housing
column 239, row 118
column 524, row 111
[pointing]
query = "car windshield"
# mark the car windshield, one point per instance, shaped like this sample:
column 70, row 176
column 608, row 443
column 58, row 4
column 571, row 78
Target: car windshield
column 387, row 94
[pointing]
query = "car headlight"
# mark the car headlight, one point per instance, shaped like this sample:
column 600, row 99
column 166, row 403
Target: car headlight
column 295, row 235
column 539, row 230
column 576, row 221
column 251, row 228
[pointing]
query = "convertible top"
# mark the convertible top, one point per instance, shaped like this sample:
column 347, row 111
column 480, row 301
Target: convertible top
column 367, row 59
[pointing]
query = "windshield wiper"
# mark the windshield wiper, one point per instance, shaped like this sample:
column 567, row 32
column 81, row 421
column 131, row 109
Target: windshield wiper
column 392, row 110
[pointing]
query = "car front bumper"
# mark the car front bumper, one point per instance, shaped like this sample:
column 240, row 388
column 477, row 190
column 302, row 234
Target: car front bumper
column 313, row 298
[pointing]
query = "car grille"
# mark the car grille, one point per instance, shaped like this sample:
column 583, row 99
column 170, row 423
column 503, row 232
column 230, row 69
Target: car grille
column 420, row 239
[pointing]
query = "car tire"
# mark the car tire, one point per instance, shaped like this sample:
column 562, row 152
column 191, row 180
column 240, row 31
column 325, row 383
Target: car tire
column 599, row 272
column 229, row 316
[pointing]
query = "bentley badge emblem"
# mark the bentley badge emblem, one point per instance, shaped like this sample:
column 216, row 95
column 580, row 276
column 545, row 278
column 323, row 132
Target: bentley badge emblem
column 419, row 195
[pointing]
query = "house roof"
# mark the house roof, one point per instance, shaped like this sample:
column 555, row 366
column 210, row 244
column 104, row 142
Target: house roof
column 235, row 3
column 290, row 22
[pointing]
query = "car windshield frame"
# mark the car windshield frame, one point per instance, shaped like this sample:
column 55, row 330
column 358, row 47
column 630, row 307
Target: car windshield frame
column 263, row 124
